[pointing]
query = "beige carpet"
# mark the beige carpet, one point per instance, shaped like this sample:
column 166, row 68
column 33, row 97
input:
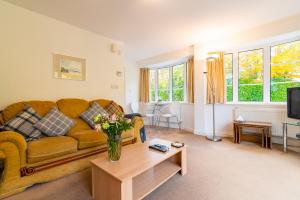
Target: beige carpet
column 216, row 171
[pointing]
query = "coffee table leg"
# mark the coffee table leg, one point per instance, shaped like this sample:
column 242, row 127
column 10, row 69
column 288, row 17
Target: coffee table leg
column 262, row 138
column 266, row 136
column 183, row 161
column 102, row 184
column 234, row 133
column 126, row 190
column 239, row 134
column 284, row 137
column 270, row 131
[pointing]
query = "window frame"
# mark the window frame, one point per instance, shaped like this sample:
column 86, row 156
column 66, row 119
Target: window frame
column 156, row 81
column 266, row 46
column 155, row 85
column 226, row 80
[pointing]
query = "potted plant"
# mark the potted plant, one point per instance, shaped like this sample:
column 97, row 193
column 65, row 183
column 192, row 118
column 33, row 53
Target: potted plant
column 113, row 126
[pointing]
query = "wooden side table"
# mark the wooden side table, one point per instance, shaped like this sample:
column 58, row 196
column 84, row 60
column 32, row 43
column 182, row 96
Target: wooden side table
column 264, row 128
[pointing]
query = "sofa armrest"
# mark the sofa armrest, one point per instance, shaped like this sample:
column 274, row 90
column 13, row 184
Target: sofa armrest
column 1, row 119
column 17, row 140
column 13, row 151
column 138, row 124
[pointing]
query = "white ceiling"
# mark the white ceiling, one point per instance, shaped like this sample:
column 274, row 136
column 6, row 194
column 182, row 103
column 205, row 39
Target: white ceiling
column 151, row 27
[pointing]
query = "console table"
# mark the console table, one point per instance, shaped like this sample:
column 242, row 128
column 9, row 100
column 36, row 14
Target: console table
column 285, row 131
column 263, row 128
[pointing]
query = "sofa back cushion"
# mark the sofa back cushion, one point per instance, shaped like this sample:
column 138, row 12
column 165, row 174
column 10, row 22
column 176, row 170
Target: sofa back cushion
column 72, row 107
column 80, row 125
column 41, row 107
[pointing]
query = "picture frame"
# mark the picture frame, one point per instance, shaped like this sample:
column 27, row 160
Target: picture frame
column 68, row 67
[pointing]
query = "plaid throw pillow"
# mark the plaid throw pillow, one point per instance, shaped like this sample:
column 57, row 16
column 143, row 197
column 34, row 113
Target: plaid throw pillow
column 23, row 123
column 91, row 112
column 55, row 123
column 113, row 108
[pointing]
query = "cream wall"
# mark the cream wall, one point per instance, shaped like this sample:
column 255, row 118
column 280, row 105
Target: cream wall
column 131, row 84
column 167, row 57
column 28, row 41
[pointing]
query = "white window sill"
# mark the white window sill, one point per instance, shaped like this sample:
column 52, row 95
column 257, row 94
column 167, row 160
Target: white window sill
column 275, row 104
column 170, row 102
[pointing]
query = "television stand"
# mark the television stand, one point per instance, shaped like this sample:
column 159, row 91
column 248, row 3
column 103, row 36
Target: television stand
column 285, row 131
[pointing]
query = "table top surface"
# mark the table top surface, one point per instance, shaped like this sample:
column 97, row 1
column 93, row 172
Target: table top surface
column 135, row 159
column 252, row 123
column 292, row 123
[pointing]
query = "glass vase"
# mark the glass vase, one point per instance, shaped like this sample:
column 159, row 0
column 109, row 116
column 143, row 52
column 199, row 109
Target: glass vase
column 114, row 146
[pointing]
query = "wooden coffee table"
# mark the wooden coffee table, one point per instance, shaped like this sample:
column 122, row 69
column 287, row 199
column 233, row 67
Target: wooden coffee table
column 139, row 171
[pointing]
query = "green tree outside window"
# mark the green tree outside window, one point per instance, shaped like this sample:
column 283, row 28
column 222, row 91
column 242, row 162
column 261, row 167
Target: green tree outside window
column 163, row 84
column 285, row 69
column 178, row 83
column 251, row 76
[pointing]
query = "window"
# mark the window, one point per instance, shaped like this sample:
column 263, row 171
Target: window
column 163, row 84
column 228, row 68
column 168, row 83
column 178, row 82
column 285, row 69
column 262, row 74
column 251, row 76
column 152, row 84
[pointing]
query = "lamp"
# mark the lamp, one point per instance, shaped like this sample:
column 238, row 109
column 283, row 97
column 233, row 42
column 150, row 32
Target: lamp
column 211, row 86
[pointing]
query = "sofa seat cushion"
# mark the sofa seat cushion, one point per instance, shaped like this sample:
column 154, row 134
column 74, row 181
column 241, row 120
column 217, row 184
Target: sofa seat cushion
column 128, row 134
column 89, row 138
column 50, row 147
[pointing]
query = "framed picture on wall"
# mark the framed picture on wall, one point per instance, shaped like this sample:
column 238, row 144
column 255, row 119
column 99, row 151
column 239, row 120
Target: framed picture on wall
column 68, row 67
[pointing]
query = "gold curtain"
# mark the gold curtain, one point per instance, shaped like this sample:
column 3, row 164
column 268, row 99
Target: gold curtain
column 190, row 80
column 144, row 85
column 215, row 79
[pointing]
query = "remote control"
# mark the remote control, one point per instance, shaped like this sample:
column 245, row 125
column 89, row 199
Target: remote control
column 159, row 147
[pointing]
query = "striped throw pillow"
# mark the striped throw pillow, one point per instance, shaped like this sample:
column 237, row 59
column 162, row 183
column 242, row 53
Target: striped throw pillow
column 113, row 108
column 89, row 115
column 24, row 122
column 55, row 123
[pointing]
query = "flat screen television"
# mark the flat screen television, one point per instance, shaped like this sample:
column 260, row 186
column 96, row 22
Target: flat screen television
column 293, row 102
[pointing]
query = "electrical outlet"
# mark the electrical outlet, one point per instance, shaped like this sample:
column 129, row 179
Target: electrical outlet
column 113, row 86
